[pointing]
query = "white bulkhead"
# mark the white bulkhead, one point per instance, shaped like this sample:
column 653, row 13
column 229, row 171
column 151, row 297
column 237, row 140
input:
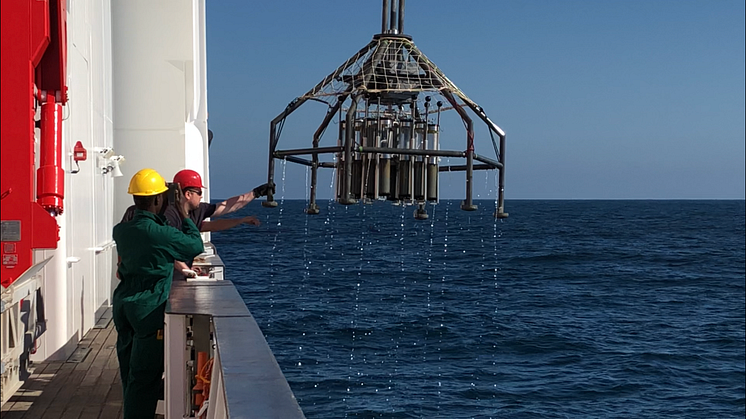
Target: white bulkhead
column 137, row 90
column 77, row 284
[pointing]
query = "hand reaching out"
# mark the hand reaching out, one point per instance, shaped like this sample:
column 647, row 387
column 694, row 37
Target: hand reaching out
column 226, row 223
column 264, row 190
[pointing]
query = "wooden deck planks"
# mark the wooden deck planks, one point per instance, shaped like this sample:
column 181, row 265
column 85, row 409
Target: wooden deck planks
column 89, row 389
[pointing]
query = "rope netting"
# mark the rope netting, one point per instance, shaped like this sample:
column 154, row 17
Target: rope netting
column 385, row 65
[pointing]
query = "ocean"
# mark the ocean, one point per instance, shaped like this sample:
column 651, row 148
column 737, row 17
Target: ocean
column 566, row 309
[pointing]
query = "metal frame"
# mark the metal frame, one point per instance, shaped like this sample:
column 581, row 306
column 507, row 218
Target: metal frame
column 210, row 316
column 359, row 93
column 22, row 320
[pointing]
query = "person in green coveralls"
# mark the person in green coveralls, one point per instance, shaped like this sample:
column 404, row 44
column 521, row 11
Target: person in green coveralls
column 147, row 248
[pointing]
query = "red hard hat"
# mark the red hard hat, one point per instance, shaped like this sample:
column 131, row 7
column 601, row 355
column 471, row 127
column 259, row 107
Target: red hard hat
column 188, row 179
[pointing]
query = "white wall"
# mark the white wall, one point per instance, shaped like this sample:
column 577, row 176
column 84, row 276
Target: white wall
column 77, row 282
column 159, row 88
column 134, row 85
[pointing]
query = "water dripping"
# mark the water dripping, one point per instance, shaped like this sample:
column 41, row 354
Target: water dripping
column 307, row 260
column 442, row 308
column 356, row 375
column 428, row 308
column 353, row 321
column 329, row 226
column 275, row 250
column 401, row 240
column 487, row 186
column 496, row 235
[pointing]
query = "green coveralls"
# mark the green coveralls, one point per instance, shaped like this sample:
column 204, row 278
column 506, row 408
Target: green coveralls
column 147, row 247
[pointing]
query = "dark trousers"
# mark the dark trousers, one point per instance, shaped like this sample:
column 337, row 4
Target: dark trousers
column 140, row 352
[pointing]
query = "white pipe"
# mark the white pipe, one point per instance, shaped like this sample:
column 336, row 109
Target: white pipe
column 196, row 135
column 497, row 129
column 175, row 359
column 55, row 298
column 200, row 76
column 202, row 111
column 195, row 62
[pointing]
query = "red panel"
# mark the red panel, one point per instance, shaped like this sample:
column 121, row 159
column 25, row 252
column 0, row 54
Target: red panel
column 24, row 42
column 62, row 42
column 50, row 75
column 39, row 37
column 16, row 133
column 46, row 231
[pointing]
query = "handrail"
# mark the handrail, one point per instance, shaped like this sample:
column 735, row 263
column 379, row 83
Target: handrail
column 246, row 380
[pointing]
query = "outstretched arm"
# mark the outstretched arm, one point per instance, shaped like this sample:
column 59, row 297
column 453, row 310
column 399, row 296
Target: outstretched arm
column 232, row 204
column 225, row 224
column 237, row 202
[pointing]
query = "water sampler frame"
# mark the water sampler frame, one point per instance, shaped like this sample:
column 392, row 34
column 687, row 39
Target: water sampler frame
column 388, row 147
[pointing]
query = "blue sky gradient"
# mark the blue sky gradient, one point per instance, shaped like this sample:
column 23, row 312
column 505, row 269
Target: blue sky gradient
column 599, row 99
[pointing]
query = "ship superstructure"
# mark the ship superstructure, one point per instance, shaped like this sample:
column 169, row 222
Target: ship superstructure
column 58, row 165
column 89, row 85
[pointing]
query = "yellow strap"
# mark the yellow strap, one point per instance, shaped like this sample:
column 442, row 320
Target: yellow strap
column 202, row 375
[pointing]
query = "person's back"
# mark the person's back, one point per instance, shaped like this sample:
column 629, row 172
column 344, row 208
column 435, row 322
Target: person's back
column 190, row 183
column 147, row 250
column 148, row 247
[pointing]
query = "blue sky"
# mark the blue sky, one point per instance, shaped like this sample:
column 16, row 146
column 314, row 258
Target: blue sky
column 599, row 99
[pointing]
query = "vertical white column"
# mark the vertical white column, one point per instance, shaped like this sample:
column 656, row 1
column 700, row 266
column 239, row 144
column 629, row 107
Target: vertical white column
column 175, row 360
column 55, row 292
column 218, row 405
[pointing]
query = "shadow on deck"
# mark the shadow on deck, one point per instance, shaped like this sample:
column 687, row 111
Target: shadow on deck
column 88, row 389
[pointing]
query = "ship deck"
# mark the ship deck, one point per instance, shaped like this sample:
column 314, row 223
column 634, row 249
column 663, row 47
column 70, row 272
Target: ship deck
column 86, row 386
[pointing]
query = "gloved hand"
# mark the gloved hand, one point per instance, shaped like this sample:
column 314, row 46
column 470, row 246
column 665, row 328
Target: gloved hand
column 264, row 190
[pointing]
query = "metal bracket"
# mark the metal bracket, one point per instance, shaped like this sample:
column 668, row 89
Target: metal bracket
column 22, row 287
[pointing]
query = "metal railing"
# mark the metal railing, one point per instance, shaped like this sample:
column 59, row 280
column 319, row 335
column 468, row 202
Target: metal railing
column 210, row 317
column 21, row 323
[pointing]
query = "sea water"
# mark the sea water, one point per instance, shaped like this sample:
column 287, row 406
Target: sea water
column 567, row 309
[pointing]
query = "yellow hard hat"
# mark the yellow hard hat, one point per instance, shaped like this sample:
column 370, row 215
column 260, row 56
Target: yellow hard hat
column 147, row 182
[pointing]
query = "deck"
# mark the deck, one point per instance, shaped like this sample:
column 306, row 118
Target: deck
column 86, row 386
